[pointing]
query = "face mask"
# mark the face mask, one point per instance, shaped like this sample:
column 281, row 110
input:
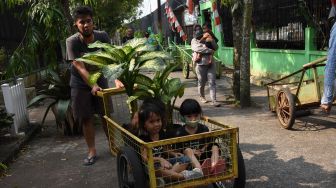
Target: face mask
column 192, row 124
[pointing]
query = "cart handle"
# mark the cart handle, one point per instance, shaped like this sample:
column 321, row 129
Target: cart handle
column 317, row 61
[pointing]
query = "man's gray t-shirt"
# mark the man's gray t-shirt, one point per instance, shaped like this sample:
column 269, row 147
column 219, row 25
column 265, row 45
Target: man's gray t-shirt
column 76, row 48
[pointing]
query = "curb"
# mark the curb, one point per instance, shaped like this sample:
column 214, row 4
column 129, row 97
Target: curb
column 10, row 151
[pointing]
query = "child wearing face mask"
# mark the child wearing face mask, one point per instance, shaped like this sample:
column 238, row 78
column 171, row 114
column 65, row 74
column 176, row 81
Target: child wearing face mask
column 201, row 149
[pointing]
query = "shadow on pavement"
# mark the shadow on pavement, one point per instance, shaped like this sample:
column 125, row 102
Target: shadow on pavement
column 265, row 169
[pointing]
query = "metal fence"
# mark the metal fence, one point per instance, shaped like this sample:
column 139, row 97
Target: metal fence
column 280, row 24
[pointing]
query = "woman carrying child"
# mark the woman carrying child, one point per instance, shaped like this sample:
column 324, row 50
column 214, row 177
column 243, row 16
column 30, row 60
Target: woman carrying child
column 191, row 112
column 203, row 47
column 150, row 119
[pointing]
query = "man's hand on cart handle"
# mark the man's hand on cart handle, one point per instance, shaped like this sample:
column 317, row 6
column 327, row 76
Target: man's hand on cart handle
column 94, row 89
column 118, row 84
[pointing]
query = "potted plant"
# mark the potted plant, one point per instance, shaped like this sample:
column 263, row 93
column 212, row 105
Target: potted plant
column 58, row 91
column 160, row 86
column 125, row 63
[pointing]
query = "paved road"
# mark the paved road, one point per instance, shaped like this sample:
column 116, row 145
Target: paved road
column 274, row 157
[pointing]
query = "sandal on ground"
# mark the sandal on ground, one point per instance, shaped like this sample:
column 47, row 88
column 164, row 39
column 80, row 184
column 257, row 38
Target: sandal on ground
column 219, row 167
column 90, row 160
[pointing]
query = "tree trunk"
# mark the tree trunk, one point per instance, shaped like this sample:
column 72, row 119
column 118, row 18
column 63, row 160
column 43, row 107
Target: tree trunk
column 245, row 95
column 67, row 14
column 237, row 23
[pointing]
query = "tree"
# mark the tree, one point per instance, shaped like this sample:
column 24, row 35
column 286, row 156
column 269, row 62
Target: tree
column 241, row 42
column 237, row 10
column 245, row 94
column 49, row 22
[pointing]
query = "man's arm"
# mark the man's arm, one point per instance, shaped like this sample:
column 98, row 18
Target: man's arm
column 85, row 76
column 72, row 55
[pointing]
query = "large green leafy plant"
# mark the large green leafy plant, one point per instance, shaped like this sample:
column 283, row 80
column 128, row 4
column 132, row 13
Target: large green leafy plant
column 57, row 90
column 160, row 86
column 125, row 63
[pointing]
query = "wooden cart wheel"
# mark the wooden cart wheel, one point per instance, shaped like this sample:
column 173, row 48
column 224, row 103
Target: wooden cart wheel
column 285, row 108
column 185, row 69
column 130, row 170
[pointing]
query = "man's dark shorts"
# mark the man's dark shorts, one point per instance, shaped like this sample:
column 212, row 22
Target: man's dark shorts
column 84, row 104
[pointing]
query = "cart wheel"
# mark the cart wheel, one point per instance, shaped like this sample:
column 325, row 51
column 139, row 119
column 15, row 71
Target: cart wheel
column 237, row 182
column 130, row 169
column 185, row 69
column 285, row 108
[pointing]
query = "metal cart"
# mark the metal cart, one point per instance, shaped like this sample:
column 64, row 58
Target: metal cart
column 133, row 171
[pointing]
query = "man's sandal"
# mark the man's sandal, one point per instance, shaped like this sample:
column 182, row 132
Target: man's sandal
column 90, row 160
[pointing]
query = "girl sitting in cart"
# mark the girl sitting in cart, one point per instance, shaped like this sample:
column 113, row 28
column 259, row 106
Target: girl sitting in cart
column 150, row 119
column 191, row 112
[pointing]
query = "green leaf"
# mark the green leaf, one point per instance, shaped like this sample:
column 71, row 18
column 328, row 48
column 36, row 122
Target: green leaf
column 94, row 77
column 37, row 99
column 47, row 110
column 53, row 75
column 144, row 48
column 166, row 72
column 173, row 85
column 143, row 80
column 121, row 54
column 127, row 49
column 101, row 57
column 92, row 61
column 113, row 71
column 152, row 55
column 62, row 108
column 131, row 65
column 105, row 46
column 138, row 95
column 154, row 64
column 136, row 42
